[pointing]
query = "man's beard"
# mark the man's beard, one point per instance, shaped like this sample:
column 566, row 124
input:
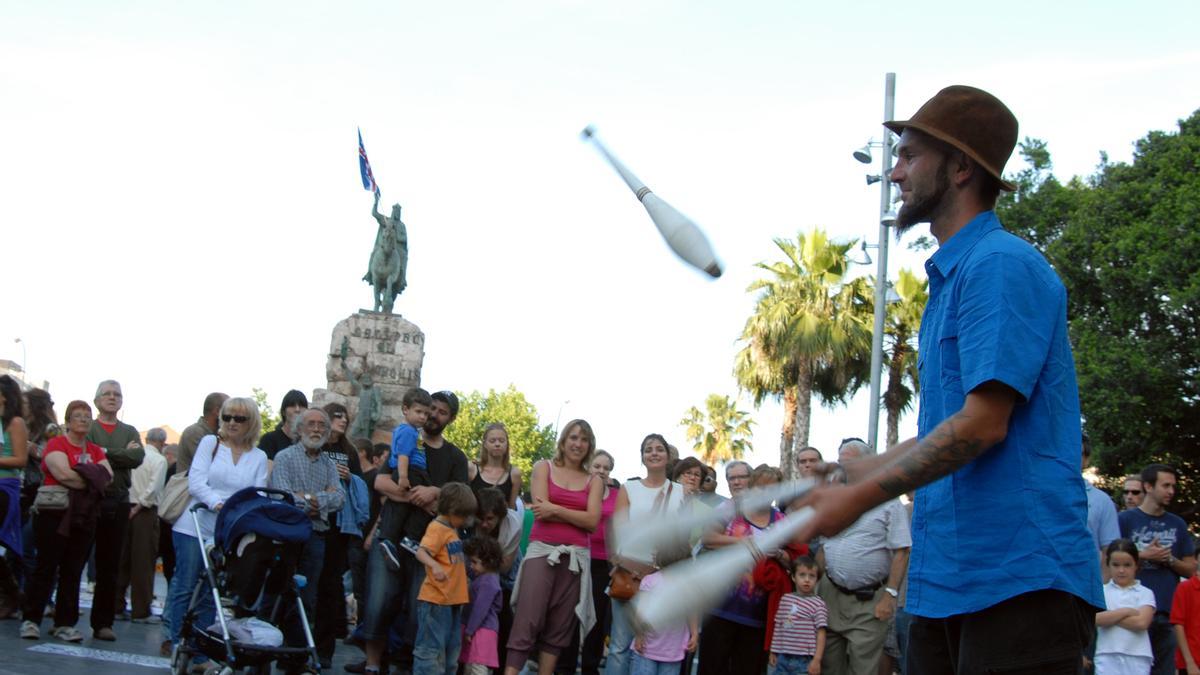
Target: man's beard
column 433, row 427
column 312, row 442
column 923, row 208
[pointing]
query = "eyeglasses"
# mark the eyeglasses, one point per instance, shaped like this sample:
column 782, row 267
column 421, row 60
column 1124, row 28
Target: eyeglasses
column 240, row 419
column 744, row 476
column 338, row 415
column 1133, row 492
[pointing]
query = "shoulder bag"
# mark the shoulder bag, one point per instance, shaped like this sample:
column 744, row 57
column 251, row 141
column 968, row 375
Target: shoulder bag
column 175, row 496
column 624, row 582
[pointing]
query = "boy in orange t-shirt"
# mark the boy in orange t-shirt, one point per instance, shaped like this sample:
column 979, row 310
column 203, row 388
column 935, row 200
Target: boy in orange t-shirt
column 443, row 594
column 1185, row 615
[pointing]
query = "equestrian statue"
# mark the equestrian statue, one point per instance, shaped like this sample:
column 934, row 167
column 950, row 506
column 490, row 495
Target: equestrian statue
column 389, row 259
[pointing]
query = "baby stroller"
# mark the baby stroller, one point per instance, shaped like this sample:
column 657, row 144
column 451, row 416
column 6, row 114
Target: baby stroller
column 257, row 539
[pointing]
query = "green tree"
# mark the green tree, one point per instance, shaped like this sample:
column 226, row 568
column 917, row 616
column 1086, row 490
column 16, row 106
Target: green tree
column 721, row 432
column 900, row 349
column 270, row 419
column 527, row 440
column 810, row 334
column 1124, row 241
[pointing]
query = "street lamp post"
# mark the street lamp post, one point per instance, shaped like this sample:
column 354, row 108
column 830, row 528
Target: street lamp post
column 881, row 274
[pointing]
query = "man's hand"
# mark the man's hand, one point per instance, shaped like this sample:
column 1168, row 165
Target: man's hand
column 133, row 445
column 423, row 495
column 438, row 572
column 1155, row 552
column 836, row 508
column 134, row 511
column 885, row 609
column 343, row 471
column 366, row 545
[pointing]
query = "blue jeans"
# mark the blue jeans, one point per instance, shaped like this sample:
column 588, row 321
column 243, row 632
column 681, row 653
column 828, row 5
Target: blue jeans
column 439, row 638
column 392, row 602
column 620, row 640
column 1162, row 642
column 189, row 571
column 902, row 621
column 791, row 664
column 640, row 665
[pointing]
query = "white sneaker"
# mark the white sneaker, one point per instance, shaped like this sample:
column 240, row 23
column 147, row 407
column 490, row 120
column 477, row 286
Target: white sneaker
column 30, row 631
column 67, row 633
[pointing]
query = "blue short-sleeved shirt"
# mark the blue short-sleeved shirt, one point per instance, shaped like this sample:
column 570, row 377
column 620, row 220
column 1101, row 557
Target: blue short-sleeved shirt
column 1014, row 520
column 405, row 439
column 1171, row 532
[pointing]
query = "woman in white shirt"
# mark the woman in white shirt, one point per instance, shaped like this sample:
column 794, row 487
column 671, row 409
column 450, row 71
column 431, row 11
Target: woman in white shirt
column 640, row 499
column 218, row 470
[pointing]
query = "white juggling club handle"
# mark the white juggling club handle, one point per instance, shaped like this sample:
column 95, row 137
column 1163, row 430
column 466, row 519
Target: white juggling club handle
column 648, row 535
column 697, row 586
column 682, row 235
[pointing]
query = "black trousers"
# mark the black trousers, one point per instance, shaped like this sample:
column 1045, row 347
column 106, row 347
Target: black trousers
column 730, row 648
column 110, row 540
column 64, row 556
column 331, row 595
column 1036, row 633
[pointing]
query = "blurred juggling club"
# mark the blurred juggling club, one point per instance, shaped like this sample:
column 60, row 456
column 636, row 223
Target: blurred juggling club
column 697, row 586
column 681, row 234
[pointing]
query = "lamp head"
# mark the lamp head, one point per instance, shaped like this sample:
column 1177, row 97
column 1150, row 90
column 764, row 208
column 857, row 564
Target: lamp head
column 873, row 178
column 863, row 154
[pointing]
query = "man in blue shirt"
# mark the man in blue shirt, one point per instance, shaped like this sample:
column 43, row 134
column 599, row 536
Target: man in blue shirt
column 1166, row 553
column 1003, row 574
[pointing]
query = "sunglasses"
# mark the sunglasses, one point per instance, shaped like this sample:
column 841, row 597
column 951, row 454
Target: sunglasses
column 338, row 415
column 240, row 419
column 1133, row 492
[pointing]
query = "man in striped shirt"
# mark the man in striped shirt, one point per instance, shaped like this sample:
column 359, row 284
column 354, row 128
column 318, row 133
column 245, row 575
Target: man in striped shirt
column 799, row 636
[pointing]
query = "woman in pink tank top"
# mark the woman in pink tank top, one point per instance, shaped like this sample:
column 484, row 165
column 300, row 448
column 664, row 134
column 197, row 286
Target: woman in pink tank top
column 553, row 591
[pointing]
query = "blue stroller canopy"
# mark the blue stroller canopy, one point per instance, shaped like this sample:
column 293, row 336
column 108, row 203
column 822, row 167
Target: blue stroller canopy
column 249, row 511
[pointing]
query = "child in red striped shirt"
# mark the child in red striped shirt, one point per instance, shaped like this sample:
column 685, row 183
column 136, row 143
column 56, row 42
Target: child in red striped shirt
column 798, row 642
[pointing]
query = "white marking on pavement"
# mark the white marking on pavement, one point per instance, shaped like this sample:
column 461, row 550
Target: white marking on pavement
column 104, row 655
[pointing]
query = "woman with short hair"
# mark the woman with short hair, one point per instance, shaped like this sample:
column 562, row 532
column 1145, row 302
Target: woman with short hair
column 224, row 463
column 63, row 537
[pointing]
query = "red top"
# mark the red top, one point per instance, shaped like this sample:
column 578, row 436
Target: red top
column 1185, row 611
column 557, row 533
column 95, row 454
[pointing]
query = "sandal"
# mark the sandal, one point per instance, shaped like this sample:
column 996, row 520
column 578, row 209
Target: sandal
column 67, row 633
column 30, row 631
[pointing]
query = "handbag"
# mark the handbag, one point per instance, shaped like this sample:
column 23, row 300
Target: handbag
column 175, row 496
column 51, row 498
column 624, row 582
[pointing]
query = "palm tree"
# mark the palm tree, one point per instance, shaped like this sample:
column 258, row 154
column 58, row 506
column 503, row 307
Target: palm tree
column 720, row 433
column 903, row 326
column 810, row 333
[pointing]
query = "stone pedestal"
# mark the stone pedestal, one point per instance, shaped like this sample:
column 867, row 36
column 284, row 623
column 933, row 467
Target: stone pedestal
column 390, row 348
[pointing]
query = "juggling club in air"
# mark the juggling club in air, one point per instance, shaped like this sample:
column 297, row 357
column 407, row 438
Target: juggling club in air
column 682, row 235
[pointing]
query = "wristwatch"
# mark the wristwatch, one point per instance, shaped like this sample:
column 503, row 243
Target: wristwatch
column 892, row 592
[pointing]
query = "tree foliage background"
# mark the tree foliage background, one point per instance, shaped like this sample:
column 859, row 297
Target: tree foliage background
column 720, row 432
column 270, row 418
column 527, row 440
column 1125, row 243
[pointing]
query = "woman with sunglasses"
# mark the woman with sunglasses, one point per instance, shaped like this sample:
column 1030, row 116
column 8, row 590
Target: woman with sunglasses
column 224, row 463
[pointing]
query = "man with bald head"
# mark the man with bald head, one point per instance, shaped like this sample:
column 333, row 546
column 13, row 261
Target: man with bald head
column 863, row 566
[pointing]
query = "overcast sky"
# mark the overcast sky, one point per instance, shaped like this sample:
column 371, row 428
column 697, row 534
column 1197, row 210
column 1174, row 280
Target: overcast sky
column 182, row 208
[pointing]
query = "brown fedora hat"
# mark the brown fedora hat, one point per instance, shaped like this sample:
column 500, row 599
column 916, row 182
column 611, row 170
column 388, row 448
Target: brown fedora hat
column 971, row 120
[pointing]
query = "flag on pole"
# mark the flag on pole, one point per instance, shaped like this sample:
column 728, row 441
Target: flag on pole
column 364, row 166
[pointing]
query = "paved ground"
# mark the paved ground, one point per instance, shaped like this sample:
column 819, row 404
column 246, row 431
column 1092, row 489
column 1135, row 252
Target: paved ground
column 135, row 651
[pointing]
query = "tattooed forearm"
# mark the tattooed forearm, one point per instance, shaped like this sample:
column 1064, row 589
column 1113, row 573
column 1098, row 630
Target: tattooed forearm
column 949, row 447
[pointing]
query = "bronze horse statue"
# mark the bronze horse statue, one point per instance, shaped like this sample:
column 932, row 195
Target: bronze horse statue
column 389, row 259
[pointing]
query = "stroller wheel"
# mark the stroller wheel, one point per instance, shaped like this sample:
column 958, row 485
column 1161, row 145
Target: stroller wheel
column 181, row 662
